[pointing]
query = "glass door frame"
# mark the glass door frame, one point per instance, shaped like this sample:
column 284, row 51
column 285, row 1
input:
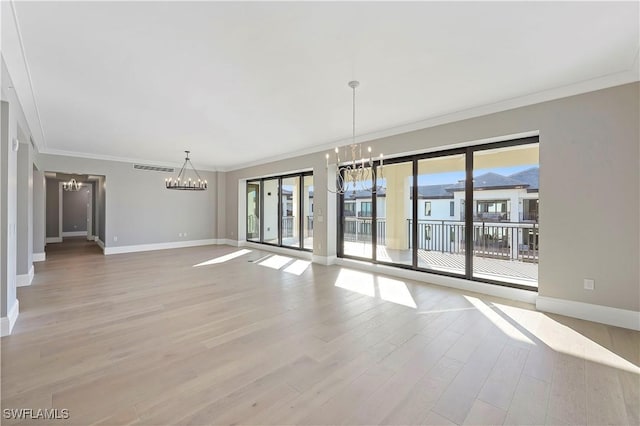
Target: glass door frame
column 279, row 178
column 468, row 153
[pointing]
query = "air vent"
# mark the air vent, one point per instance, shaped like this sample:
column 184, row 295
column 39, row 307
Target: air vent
column 154, row 168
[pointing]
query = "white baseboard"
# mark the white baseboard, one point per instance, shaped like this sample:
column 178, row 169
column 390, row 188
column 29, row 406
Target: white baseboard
column 158, row 246
column 7, row 323
column 24, row 280
column 444, row 281
column 39, row 257
column 92, row 237
column 100, row 243
column 75, row 234
column 324, row 260
column 280, row 250
column 54, row 239
column 230, row 242
column 590, row 312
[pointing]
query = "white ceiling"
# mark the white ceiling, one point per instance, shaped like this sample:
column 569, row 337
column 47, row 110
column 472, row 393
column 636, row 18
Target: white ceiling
column 243, row 82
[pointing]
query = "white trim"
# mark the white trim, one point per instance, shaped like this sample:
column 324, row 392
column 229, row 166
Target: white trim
column 29, row 79
column 75, row 234
column 39, row 257
column 324, row 260
column 590, row 312
column 229, row 242
column 280, row 250
column 7, row 323
column 158, row 246
column 24, row 280
column 100, row 243
column 128, row 160
column 441, row 280
column 599, row 83
column 582, row 87
column 54, row 240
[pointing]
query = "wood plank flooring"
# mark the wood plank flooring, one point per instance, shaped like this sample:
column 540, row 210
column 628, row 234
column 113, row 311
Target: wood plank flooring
column 151, row 339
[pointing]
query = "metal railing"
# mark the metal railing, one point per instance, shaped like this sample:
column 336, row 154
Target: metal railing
column 357, row 229
column 511, row 241
column 287, row 226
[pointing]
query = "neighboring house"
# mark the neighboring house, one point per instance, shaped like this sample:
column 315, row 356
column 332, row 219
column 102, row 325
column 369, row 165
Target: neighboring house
column 497, row 198
column 505, row 209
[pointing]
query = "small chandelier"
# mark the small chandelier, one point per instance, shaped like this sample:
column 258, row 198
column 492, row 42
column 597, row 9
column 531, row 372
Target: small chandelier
column 72, row 185
column 353, row 175
column 184, row 184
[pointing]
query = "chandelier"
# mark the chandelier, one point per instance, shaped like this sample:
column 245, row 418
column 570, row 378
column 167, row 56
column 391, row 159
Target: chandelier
column 354, row 174
column 184, row 184
column 72, row 185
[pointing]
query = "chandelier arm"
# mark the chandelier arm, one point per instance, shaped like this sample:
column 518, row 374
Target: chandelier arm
column 195, row 171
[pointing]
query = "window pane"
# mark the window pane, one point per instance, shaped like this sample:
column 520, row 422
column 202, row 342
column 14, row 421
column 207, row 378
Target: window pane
column 395, row 212
column 308, row 211
column 290, row 197
column 505, row 222
column 271, row 211
column 253, row 211
column 441, row 230
column 357, row 227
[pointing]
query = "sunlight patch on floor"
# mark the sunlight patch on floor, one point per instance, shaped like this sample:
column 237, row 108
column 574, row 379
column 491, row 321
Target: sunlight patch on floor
column 275, row 261
column 540, row 329
column 359, row 282
column 383, row 288
column 395, row 291
column 298, row 267
column 224, row 258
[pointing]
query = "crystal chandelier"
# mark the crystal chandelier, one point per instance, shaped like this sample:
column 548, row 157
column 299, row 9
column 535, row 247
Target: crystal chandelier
column 72, row 185
column 354, row 174
column 182, row 183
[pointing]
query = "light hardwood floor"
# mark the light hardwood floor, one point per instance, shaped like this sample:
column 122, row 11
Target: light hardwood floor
column 149, row 338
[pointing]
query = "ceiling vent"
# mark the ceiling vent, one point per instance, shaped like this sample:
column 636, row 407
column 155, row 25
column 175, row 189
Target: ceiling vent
column 154, row 168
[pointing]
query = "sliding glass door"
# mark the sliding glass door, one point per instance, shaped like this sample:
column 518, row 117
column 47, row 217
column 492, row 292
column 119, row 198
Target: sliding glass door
column 466, row 212
column 440, row 242
column 270, row 211
column 280, row 211
column 505, row 214
column 253, row 211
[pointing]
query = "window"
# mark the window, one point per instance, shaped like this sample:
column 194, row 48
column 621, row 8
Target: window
column 279, row 211
column 365, row 209
column 489, row 233
column 427, row 208
column 350, row 208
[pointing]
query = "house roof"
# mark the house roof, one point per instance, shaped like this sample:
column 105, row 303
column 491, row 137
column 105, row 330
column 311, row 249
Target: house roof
column 491, row 180
column 357, row 195
column 529, row 176
column 435, row 191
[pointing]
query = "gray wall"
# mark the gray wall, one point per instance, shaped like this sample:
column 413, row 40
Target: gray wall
column 25, row 205
column 101, row 209
column 52, row 208
column 39, row 213
column 74, row 210
column 589, row 188
column 138, row 208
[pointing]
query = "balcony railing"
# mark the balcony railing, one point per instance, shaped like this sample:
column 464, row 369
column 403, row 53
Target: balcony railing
column 512, row 241
column 500, row 240
column 358, row 229
column 288, row 226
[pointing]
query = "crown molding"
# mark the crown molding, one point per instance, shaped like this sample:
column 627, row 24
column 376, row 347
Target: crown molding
column 586, row 86
column 128, row 160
